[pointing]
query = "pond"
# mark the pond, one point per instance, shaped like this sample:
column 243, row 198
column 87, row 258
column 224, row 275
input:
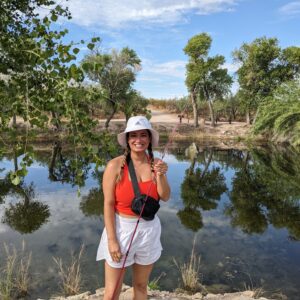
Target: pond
column 242, row 209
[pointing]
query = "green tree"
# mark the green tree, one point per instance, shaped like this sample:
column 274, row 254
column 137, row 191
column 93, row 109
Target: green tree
column 40, row 81
column 205, row 75
column 263, row 66
column 115, row 73
column 134, row 103
column 279, row 115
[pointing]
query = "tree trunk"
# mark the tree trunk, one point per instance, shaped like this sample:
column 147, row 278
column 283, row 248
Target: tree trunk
column 211, row 109
column 57, row 123
column 248, row 117
column 195, row 108
column 16, row 162
column 255, row 117
column 212, row 114
column 14, row 121
column 55, row 152
column 207, row 163
column 114, row 109
column 192, row 166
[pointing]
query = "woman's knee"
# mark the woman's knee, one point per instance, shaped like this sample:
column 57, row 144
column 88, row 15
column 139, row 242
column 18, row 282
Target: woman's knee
column 140, row 287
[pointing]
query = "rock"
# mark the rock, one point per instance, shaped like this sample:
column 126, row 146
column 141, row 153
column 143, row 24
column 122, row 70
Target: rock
column 127, row 294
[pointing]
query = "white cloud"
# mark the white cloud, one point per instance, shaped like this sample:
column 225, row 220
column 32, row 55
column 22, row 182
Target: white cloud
column 291, row 9
column 231, row 67
column 175, row 68
column 115, row 14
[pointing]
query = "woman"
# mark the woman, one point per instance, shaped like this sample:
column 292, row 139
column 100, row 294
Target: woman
column 120, row 221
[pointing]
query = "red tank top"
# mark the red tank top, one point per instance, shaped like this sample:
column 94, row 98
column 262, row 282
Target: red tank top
column 124, row 192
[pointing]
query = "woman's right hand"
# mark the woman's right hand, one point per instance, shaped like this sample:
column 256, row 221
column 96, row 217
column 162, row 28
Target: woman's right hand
column 114, row 250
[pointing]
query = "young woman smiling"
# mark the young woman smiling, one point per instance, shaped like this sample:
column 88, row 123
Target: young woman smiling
column 120, row 221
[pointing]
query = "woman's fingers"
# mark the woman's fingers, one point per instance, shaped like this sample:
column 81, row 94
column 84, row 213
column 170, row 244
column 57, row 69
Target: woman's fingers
column 116, row 256
column 115, row 251
column 161, row 167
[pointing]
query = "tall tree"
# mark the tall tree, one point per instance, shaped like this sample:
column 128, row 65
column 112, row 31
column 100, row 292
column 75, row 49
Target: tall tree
column 115, row 73
column 263, row 66
column 205, row 75
column 39, row 79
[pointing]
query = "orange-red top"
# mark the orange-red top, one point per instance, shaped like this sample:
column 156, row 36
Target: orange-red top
column 124, row 192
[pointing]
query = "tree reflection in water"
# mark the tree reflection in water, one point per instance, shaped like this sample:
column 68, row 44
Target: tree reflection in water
column 68, row 169
column 93, row 203
column 266, row 190
column 200, row 189
column 27, row 215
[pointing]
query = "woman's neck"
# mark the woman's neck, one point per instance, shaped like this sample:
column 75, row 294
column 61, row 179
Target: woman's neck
column 139, row 157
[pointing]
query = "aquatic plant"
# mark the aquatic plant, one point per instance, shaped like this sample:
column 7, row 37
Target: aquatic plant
column 70, row 274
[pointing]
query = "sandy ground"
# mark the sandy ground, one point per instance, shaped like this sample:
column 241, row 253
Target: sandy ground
column 237, row 128
column 223, row 135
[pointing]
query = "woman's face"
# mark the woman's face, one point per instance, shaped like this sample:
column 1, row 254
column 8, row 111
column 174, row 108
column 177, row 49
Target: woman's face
column 138, row 140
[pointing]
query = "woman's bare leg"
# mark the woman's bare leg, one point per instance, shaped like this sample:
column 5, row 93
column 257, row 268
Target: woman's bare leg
column 111, row 280
column 140, row 278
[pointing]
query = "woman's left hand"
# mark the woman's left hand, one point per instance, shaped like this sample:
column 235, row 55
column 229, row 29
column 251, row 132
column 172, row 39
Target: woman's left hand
column 160, row 167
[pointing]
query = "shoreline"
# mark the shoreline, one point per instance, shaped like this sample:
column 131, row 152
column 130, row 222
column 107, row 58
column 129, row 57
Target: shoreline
column 223, row 135
column 126, row 294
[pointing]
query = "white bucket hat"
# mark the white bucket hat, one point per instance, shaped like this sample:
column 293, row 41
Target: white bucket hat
column 138, row 123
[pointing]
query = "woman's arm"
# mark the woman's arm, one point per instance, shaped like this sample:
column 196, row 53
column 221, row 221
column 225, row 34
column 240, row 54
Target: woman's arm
column 108, row 184
column 163, row 187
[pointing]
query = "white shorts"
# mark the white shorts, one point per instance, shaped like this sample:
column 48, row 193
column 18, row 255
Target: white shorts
column 145, row 248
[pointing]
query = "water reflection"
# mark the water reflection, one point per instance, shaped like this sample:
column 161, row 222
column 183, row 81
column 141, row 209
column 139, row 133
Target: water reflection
column 93, row 203
column 27, row 215
column 266, row 190
column 64, row 167
column 233, row 200
column 201, row 189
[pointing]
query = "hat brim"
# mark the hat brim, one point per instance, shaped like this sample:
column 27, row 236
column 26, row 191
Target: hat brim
column 154, row 140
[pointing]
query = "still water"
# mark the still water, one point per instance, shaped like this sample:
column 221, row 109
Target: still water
column 242, row 209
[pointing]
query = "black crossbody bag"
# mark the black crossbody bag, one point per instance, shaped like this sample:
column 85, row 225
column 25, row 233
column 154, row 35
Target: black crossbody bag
column 151, row 205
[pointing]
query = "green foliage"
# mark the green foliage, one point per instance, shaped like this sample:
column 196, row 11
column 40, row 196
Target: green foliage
column 153, row 284
column 115, row 73
column 205, row 75
column 279, row 116
column 40, row 81
column 263, row 66
column 134, row 104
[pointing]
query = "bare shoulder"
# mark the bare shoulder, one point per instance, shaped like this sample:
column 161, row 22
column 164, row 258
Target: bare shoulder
column 114, row 164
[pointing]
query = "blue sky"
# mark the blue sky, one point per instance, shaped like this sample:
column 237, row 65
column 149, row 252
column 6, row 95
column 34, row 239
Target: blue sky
column 158, row 30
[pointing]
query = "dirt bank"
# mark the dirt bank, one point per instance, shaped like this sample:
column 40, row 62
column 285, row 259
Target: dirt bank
column 163, row 295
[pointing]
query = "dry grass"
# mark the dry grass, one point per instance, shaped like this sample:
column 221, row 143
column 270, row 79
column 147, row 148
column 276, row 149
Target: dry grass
column 190, row 272
column 7, row 273
column 14, row 276
column 70, row 275
column 22, row 275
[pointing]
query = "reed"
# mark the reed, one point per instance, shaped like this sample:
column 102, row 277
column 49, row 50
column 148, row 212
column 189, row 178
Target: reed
column 22, row 282
column 153, row 284
column 190, row 272
column 7, row 273
column 70, row 274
